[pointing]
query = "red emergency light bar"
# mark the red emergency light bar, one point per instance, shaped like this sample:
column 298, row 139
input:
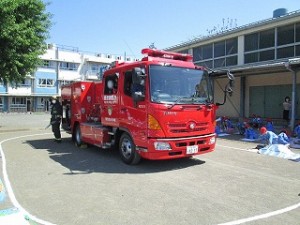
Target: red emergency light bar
column 167, row 55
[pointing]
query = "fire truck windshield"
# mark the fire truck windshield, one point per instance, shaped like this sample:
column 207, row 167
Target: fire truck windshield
column 177, row 85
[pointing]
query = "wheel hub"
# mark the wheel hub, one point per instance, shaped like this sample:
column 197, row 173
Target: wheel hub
column 126, row 148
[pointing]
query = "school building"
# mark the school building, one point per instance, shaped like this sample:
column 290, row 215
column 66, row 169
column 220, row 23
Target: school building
column 264, row 56
column 60, row 65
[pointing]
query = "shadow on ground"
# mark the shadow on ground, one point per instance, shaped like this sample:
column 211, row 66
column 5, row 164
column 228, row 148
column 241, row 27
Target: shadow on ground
column 96, row 160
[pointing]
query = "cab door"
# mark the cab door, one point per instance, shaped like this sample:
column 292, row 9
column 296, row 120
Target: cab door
column 133, row 115
column 110, row 108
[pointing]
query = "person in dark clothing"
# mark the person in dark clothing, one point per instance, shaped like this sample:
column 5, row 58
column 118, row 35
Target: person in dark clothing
column 56, row 115
column 286, row 108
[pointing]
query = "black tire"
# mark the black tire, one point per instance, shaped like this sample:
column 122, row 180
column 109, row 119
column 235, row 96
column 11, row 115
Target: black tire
column 77, row 136
column 127, row 150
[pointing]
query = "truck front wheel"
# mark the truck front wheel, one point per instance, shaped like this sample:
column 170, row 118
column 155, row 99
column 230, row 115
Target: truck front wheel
column 127, row 150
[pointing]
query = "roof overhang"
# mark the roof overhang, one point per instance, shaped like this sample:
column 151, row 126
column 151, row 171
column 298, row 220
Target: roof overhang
column 264, row 68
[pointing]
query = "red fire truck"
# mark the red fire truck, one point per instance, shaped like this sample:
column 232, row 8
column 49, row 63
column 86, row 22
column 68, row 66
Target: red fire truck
column 160, row 107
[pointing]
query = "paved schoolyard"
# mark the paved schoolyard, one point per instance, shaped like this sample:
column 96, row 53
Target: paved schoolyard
column 92, row 186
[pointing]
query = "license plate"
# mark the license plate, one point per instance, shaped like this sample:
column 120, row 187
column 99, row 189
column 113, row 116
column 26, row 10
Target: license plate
column 192, row 149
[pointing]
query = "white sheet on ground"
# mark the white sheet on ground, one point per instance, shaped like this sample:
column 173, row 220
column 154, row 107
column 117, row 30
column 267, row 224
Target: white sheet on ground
column 281, row 151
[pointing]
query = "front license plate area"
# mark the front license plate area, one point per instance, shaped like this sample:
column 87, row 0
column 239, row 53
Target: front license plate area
column 192, row 149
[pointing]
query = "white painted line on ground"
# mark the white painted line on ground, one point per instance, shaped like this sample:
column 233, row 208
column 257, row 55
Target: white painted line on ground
column 240, row 149
column 8, row 186
column 263, row 216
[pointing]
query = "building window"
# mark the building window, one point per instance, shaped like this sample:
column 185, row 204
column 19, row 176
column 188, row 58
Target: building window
column 25, row 83
column 267, row 39
column 297, row 50
column 285, row 52
column 218, row 54
column 48, row 64
column 46, row 82
column 197, row 54
column 41, row 102
column 202, row 52
column 231, row 46
column 260, row 40
column 266, row 55
column 251, row 42
column 260, row 46
column 208, row 64
column 285, row 35
column 186, row 51
column 219, row 62
column 231, row 61
column 68, row 66
column 94, row 67
column 18, row 102
column 251, row 57
column 219, row 49
column 298, row 32
column 207, row 51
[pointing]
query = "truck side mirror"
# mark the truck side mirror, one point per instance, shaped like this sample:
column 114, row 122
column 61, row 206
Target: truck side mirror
column 229, row 87
column 230, row 76
column 229, row 90
column 138, row 96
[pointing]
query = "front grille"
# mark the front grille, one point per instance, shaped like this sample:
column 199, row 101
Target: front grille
column 183, row 128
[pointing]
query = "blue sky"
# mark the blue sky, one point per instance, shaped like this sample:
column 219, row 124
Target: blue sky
column 127, row 26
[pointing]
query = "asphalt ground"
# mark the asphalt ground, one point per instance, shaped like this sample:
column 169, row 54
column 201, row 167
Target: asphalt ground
column 61, row 184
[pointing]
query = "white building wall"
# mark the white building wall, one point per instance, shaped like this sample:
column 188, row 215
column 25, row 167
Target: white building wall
column 73, row 57
column 19, row 91
column 69, row 75
column 49, row 55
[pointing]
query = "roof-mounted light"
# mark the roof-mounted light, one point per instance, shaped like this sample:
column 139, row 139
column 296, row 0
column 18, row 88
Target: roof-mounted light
column 167, row 55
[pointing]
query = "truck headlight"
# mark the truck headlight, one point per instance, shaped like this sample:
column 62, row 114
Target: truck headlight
column 212, row 140
column 162, row 146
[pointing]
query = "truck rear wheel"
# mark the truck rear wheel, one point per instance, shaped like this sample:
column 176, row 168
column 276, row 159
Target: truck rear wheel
column 77, row 136
column 127, row 150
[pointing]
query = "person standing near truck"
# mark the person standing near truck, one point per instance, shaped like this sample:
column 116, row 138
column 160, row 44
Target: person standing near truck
column 56, row 115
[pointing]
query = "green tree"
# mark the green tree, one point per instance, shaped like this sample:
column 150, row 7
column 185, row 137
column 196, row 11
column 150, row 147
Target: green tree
column 24, row 28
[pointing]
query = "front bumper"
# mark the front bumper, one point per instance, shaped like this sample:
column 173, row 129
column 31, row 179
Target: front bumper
column 179, row 147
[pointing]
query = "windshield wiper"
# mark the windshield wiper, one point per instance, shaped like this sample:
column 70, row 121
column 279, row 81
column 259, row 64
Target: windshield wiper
column 177, row 101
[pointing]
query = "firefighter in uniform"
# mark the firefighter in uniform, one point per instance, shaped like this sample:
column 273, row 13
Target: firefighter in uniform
column 56, row 115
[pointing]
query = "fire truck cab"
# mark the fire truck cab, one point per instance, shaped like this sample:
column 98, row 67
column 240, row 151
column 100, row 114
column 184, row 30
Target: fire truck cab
column 158, row 108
